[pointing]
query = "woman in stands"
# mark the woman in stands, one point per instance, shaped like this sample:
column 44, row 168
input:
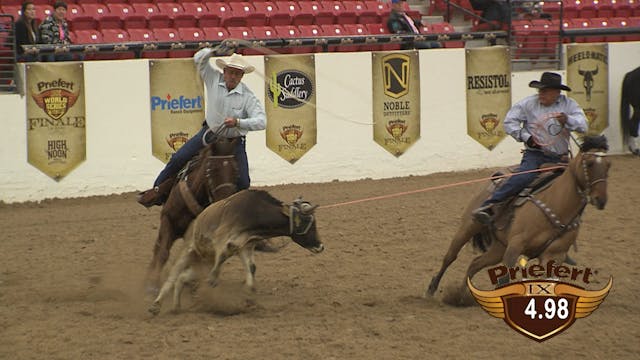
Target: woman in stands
column 26, row 31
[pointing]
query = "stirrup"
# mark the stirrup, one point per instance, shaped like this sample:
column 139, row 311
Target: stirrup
column 483, row 214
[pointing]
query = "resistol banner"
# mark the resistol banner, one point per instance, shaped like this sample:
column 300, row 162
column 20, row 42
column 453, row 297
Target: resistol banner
column 290, row 105
column 488, row 84
column 177, row 107
column 588, row 78
column 56, row 122
column 396, row 100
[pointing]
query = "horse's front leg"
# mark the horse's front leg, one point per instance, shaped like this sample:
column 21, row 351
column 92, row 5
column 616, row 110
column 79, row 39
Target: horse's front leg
column 184, row 262
column 164, row 241
column 246, row 256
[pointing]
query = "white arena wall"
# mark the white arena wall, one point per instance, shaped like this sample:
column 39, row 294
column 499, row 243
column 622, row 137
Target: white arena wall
column 118, row 128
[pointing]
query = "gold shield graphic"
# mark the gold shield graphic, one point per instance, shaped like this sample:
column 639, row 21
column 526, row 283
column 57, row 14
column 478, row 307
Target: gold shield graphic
column 395, row 71
column 55, row 102
column 540, row 309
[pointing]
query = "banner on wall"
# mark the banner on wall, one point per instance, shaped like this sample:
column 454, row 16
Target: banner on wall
column 588, row 78
column 488, row 84
column 290, row 105
column 56, row 120
column 177, row 107
column 396, row 100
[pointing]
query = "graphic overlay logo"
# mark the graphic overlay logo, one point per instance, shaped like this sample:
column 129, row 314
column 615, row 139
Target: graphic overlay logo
column 290, row 88
column 540, row 309
column 55, row 97
column 395, row 72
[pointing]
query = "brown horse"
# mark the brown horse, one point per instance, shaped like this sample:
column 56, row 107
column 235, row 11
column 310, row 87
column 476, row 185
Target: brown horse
column 545, row 225
column 210, row 176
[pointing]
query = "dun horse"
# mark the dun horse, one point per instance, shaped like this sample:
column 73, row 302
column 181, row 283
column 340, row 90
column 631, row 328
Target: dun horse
column 545, row 225
column 208, row 177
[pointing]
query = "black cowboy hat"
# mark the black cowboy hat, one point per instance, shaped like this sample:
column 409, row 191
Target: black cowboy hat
column 549, row 80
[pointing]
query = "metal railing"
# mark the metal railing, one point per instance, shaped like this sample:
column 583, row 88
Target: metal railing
column 7, row 54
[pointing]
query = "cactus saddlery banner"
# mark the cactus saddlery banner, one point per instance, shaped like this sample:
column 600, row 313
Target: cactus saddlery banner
column 488, row 84
column 177, row 107
column 396, row 100
column 56, row 120
column 290, row 105
column 588, row 78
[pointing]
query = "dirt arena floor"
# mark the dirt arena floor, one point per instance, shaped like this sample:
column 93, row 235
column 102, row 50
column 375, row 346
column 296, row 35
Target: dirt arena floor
column 71, row 282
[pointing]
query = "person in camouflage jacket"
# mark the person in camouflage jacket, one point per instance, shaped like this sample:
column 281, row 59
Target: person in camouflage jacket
column 55, row 30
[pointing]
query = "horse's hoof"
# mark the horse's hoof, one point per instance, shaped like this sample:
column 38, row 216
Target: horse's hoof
column 154, row 309
column 151, row 291
column 213, row 283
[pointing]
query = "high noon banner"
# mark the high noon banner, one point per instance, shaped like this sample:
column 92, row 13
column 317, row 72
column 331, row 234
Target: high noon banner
column 488, row 84
column 588, row 78
column 177, row 105
column 396, row 100
column 291, row 105
column 56, row 123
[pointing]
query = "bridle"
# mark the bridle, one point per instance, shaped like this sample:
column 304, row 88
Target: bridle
column 585, row 192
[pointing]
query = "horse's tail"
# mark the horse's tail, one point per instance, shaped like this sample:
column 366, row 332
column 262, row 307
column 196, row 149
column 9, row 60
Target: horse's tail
column 482, row 240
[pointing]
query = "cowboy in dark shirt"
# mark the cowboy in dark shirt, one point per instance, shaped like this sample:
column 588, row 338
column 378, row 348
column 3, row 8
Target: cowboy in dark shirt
column 400, row 22
column 631, row 98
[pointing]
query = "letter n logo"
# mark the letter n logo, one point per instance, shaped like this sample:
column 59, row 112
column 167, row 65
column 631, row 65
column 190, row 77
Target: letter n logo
column 395, row 71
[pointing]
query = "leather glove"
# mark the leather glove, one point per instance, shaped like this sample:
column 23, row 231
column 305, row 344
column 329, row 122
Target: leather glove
column 532, row 143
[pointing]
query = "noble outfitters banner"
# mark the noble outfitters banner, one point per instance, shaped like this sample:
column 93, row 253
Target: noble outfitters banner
column 291, row 105
column 396, row 100
column 588, row 78
column 177, row 107
column 488, row 93
column 56, row 123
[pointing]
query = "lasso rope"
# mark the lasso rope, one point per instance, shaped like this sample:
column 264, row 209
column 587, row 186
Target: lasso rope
column 445, row 186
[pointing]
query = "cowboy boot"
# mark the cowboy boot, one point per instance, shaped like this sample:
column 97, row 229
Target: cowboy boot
column 158, row 195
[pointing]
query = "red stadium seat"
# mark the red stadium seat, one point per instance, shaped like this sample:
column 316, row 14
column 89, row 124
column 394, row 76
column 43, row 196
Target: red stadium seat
column 126, row 14
column 142, row 35
column 604, row 8
column 78, row 20
column 303, row 15
column 188, row 34
column 215, row 33
column 381, row 29
column 291, row 8
column 247, row 14
column 445, row 28
column 309, row 31
column 634, row 21
column 155, row 19
column 289, row 32
column 364, row 14
column 88, row 37
column 381, row 8
column 341, row 15
column 177, row 14
column 587, row 8
column 116, row 36
column 273, row 15
column 220, row 10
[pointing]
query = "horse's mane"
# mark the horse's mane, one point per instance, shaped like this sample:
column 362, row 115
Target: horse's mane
column 594, row 142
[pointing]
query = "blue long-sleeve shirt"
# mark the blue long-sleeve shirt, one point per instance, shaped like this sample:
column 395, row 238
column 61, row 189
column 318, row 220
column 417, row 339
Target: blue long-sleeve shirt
column 528, row 117
column 240, row 103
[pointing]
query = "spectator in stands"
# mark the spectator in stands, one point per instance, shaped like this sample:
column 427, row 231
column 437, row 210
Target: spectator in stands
column 54, row 30
column 548, row 110
column 231, row 107
column 495, row 14
column 27, row 32
column 400, row 22
column 631, row 98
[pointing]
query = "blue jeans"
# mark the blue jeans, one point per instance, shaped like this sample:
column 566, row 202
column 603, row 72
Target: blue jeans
column 512, row 186
column 192, row 147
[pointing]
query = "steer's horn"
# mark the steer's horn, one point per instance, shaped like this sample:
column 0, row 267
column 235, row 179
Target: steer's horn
column 307, row 208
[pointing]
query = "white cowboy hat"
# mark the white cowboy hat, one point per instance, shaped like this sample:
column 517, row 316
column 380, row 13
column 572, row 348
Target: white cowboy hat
column 237, row 62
